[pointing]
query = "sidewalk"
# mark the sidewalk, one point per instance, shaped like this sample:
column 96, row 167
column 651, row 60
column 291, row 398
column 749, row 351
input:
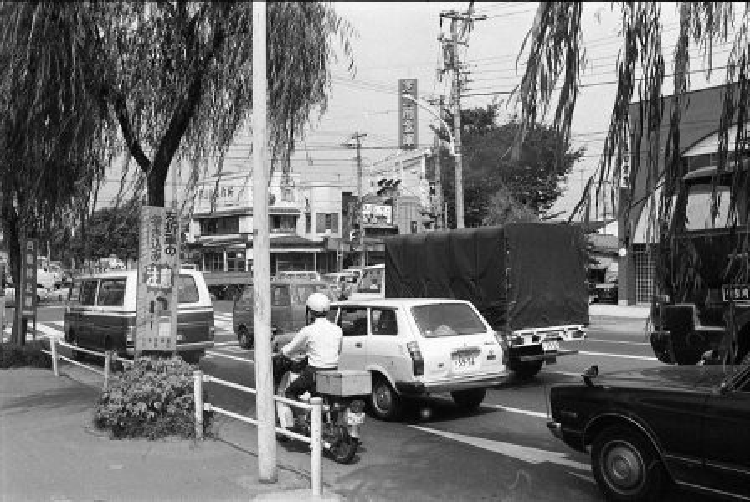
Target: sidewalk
column 50, row 451
column 628, row 311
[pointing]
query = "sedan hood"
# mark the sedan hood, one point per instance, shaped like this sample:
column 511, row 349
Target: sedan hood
column 672, row 377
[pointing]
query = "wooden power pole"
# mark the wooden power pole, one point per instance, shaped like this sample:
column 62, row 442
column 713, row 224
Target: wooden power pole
column 362, row 251
column 264, row 402
column 455, row 65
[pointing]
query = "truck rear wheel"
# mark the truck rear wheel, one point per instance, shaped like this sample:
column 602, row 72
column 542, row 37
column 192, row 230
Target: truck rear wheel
column 526, row 370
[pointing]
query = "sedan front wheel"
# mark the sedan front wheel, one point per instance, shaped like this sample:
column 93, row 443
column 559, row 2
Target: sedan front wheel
column 626, row 466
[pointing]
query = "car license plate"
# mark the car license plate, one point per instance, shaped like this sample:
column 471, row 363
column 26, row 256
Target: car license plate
column 464, row 360
column 550, row 346
column 355, row 418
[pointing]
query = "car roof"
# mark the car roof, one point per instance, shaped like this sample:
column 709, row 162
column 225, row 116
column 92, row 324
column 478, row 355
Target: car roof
column 396, row 302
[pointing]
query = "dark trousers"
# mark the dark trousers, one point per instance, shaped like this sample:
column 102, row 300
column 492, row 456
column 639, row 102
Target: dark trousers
column 304, row 382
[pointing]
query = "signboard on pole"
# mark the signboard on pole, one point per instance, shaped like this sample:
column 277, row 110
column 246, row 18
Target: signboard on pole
column 158, row 263
column 28, row 277
column 407, row 113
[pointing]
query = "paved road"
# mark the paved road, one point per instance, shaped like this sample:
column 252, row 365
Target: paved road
column 503, row 452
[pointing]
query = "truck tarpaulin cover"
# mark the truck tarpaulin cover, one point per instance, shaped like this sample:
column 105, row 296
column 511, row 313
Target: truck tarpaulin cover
column 544, row 284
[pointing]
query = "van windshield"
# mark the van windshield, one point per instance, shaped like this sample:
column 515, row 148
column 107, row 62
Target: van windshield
column 447, row 319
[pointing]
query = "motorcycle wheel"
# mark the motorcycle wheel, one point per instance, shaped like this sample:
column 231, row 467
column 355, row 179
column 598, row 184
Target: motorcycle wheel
column 343, row 446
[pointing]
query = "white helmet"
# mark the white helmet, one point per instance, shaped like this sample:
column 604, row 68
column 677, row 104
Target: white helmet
column 319, row 302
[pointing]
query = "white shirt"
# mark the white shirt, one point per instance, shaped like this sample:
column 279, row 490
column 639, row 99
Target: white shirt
column 321, row 341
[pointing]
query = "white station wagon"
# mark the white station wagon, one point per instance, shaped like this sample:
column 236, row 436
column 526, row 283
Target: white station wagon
column 416, row 347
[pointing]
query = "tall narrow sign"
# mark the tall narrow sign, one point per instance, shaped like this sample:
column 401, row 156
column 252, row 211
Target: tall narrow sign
column 407, row 113
column 157, row 273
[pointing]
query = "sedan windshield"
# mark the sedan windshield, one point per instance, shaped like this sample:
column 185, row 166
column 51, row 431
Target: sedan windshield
column 447, row 319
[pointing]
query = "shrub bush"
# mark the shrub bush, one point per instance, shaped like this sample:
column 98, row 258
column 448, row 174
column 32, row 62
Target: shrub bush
column 13, row 355
column 153, row 398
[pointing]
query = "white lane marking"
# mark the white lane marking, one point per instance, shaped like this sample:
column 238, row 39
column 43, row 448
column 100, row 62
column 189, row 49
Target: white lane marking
column 623, row 356
column 219, row 354
column 524, row 453
column 225, row 344
column 564, row 373
column 515, row 410
column 617, row 341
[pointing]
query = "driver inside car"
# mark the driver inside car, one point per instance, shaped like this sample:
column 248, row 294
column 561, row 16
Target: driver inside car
column 320, row 341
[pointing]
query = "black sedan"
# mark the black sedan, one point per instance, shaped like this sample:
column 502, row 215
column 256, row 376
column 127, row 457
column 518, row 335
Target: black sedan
column 646, row 429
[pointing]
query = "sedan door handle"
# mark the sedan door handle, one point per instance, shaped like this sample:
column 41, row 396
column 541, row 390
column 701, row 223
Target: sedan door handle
column 358, row 345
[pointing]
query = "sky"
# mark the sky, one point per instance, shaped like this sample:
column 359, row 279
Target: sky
column 399, row 40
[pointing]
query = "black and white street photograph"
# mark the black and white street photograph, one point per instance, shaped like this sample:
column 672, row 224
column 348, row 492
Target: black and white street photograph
column 374, row 251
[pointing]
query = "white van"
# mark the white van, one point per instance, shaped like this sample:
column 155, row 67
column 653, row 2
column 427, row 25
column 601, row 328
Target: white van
column 101, row 314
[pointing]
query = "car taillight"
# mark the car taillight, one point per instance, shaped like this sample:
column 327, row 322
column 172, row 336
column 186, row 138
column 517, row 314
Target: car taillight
column 416, row 358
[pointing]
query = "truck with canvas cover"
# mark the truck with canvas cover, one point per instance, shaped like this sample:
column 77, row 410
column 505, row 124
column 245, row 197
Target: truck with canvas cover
column 527, row 279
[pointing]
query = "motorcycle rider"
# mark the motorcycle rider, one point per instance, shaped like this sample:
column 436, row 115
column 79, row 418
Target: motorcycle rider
column 321, row 341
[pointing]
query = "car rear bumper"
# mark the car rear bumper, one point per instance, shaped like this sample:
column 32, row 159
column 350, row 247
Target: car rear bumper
column 450, row 385
column 547, row 356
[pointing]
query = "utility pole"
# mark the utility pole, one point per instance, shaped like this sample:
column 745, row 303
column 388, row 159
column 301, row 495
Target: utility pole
column 440, row 216
column 363, row 252
column 455, row 65
column 266, row 412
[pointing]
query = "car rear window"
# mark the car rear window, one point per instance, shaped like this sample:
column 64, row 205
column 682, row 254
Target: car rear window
column 111, row 293
column 447, row 319
column 88, row 292
column 187, row 291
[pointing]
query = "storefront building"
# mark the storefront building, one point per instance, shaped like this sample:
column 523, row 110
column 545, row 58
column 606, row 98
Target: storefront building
column 698, row 148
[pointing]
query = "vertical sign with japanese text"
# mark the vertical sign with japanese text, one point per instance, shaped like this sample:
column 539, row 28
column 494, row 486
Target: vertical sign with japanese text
column 157, row 271
column 28, row 277
column 407, row 113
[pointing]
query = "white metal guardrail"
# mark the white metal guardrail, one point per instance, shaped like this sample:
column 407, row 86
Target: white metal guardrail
column 108, row 355
column 315, row 407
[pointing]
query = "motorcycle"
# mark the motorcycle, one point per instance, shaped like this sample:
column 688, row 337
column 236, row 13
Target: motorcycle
column 342, row 415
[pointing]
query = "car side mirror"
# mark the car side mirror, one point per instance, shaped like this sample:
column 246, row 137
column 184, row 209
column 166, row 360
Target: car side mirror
column 589, row 373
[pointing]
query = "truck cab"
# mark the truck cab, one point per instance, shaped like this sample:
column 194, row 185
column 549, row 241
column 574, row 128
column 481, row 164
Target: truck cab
column 702, row 272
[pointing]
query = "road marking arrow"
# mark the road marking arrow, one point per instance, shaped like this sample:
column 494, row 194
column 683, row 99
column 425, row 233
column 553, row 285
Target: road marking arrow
column 524, row 453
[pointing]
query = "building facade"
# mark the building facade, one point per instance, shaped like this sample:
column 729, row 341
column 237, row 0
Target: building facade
column 700, row 112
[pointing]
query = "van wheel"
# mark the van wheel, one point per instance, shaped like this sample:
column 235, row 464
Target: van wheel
column 247, row 341
column 526, row 370
column 469, row 399
column 385, row 403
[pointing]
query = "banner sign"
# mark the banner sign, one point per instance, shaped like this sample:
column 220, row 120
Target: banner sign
column 158, row 264
column 407, row 114
column 30, row 249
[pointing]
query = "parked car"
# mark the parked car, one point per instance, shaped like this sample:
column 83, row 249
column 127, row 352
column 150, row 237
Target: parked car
column 648, row 428
column 416, row 347
column 288, row 310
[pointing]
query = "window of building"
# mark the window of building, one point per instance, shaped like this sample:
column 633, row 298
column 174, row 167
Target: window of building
column 220, row 226
column 644, row 273
column 283, row 223
column 280, row 296
column 213, row 261
column 327, row 221
column 414, row 227
column 287, row 195
column 308, row 223
column 235, row 261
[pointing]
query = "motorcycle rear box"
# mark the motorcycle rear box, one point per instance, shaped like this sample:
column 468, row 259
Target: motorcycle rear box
column 343, row 383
